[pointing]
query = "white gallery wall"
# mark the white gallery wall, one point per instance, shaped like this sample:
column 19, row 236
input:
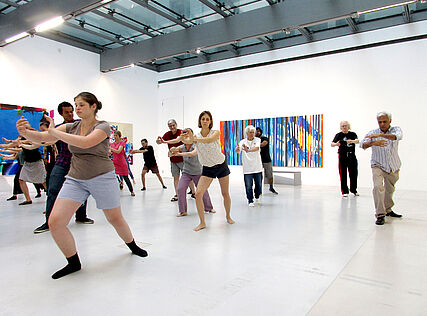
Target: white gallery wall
column 42, row 73
column 350, row 86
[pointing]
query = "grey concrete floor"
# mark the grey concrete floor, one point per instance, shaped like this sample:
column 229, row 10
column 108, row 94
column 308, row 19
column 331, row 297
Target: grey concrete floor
column 306, row 251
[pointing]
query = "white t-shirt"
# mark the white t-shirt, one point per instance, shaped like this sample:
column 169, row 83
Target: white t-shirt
column 251, row 161
column 209, row 153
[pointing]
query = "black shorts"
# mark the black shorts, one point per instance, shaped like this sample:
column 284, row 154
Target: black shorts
column 217, row 171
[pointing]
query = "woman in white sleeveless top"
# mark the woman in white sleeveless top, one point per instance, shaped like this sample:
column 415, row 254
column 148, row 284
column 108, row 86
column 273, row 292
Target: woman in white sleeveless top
column 214, row 165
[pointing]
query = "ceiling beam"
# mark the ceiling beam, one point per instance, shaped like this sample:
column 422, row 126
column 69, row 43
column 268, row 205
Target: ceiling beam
column 145, row 4
column 214, row 7
column 304, row 31
column 288, row 14
column 352, row 24
column 266, row 42
column 107, row 37
column 11, row 3
column 27, row 16
column 72, row 41
column 123, row 23
column 406, row 13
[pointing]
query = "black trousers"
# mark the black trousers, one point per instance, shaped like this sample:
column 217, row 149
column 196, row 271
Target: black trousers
column 347, row 162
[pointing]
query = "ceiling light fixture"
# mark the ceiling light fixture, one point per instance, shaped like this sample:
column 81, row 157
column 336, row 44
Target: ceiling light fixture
column 198, row 50
column 49, row 24
column 16, row 37
column 387, row 7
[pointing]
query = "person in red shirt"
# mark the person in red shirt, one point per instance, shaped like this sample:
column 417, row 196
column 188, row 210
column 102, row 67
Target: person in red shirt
column 177, row 162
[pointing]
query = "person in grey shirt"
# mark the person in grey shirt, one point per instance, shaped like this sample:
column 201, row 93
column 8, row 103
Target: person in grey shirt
column 385, row 164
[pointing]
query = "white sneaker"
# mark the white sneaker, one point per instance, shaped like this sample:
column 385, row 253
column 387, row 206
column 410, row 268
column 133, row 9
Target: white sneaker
column 356, row 194
column 345, row 195
column 257, row 201
column 251, row 204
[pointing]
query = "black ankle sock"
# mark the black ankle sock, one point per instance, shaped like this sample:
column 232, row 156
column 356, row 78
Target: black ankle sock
column 136, row 250
column 72, row 266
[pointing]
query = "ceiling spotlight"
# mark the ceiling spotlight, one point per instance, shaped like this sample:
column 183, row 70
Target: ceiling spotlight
column 287, row 32
column 198, row 50
column 132, row 65
column 153, row 61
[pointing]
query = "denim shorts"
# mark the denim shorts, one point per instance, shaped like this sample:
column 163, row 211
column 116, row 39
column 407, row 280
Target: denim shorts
column 217, row 171
column 103, row 188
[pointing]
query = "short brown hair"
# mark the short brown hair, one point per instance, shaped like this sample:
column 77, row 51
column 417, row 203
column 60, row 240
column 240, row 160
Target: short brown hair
column 210, row 116
column 118, row 133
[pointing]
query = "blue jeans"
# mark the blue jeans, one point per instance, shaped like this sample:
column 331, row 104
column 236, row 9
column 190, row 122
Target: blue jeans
column 249, row 180
column 56, row 180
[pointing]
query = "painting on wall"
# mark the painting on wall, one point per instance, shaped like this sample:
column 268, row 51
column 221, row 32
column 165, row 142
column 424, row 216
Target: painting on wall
column 9, row 114
column 295, row 141
column 127, row 134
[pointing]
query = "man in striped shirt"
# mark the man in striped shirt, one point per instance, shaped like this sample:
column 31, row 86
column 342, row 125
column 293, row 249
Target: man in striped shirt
column 385, row 164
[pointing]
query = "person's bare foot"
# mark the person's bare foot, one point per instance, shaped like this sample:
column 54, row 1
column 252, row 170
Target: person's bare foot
column 210, row 211
column 230, row 221
column 200, row 227
column 181, row 214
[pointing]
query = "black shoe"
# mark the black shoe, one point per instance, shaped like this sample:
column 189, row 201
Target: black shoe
column 121, row 186
column 193, row 196
column 143, row 189
column 86, row 220
column 13, row 197
column 273, row 191
column 43, row 228
column 38, row 195
column 380, row 220
column 189, row 192
column 165, row 187
column 393, row 214
column 26, row 203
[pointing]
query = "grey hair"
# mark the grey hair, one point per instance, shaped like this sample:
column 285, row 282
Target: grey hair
column 348, row 124
column 249, row 128
column 384, row 113
column 171, row 121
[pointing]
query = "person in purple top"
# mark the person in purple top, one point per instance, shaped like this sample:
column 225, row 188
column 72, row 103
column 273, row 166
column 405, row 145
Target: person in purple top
column 59, row 171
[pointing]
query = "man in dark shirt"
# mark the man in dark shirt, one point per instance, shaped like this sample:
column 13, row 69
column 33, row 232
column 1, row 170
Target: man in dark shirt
column 265, row 158
column 149, row 162
column 59, row 171
column 345, row 141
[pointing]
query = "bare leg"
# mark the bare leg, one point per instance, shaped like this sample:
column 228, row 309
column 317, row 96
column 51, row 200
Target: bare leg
column 270, row 181
column 143, row 177
column 202, row 186
column 160, row 178
column 224, row 183
column 24, row 189
column 115, row 218
column 63, row 210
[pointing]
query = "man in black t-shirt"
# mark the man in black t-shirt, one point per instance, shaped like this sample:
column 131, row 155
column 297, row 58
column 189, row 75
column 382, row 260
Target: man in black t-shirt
column 149, row 162
column 345, row 141
column 265, row 158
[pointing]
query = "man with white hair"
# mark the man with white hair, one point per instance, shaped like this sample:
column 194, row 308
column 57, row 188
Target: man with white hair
column 385, row 164
column 252, row 165
column 347, row 161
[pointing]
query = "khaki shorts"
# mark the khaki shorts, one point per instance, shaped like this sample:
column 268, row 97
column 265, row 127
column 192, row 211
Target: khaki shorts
column 176, row 168
column 153, row 169
column 268, row 169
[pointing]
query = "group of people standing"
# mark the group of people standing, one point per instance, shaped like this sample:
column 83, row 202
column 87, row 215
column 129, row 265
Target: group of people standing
column 385, row 162
column 82, row 167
